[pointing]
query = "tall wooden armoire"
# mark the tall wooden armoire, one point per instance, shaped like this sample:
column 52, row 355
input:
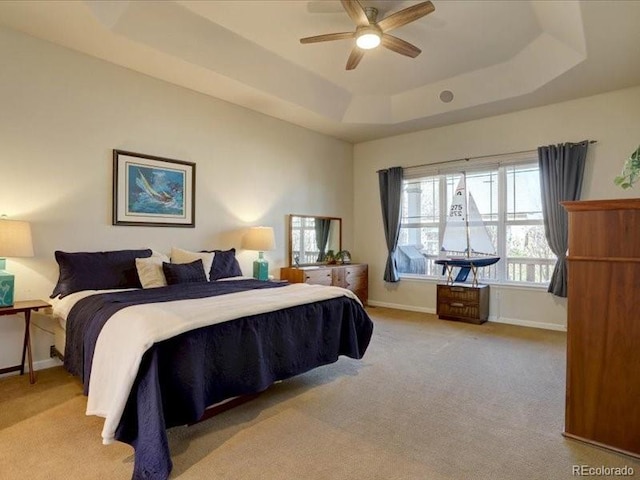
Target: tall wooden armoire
column 603, row 325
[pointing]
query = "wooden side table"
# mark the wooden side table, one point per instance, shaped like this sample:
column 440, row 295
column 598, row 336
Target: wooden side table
column 24, row 307
column 463, row 302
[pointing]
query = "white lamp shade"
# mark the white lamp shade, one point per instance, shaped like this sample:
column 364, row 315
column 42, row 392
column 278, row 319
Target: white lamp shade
column 260, row 239
column 15, row 239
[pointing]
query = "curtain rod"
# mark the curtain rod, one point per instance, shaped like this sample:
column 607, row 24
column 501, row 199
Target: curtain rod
column 476, row 158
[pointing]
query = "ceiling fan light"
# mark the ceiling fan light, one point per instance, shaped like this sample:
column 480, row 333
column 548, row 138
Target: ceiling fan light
column 368, row 40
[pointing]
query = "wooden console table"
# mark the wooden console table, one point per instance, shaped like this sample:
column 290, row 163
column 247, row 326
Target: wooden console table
column 25, row 308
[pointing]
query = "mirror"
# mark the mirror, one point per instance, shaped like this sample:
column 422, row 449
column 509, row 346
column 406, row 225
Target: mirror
column 304, row 233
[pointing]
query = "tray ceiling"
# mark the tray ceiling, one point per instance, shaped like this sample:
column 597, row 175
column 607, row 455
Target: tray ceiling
column 485, row 57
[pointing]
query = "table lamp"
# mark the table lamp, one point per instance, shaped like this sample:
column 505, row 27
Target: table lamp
column 15, row 241
column 261, row 239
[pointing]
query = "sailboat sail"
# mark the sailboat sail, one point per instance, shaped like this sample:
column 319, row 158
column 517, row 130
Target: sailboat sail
column 455, row 232
column 466, row 233
column 479, row 238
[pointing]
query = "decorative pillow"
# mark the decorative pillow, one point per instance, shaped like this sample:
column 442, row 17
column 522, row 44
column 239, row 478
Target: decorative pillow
column 97, row 270
column 225, row 265
column 184, row 272
column 185, row 256
column 150, row 270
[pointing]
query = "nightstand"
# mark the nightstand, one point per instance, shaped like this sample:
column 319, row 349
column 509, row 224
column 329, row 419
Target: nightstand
column 25, row 308
column 462, row 302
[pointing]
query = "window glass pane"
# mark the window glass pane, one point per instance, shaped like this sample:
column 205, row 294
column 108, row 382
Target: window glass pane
column 490, row 272
column 487, row 273
column 523, row 193
column 527, row 241
column 420, row 201
column 419, row 232
column 416, row 257
column 484, row 188
column 430, row 240
column 529, row 258
column 492, row 228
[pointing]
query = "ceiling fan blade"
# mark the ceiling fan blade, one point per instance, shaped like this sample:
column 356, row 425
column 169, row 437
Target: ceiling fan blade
column 400, row 46
column 405, row 16
column 328, row 37
column 354, row 58
column 355, row 11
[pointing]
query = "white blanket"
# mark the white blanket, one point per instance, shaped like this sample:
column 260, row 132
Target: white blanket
column 62, row 306
column 130, row 332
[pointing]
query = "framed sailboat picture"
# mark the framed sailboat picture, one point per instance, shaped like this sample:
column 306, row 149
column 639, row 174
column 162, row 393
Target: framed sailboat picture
column 153, row 191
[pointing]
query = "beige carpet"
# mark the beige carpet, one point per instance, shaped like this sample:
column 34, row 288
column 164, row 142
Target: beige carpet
column 431, row 400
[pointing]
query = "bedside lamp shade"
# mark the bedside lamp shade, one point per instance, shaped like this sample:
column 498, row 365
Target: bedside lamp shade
column 15, row 241
column 261, row 239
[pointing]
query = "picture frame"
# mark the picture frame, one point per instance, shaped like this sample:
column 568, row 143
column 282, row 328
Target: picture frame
column 153, row 191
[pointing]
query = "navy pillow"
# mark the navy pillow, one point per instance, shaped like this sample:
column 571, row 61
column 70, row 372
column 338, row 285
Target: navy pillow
column 224, row 265
column 184, row 272
column 97, row 270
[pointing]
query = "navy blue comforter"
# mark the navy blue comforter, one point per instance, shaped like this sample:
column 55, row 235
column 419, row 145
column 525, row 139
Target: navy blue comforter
column 179, row 377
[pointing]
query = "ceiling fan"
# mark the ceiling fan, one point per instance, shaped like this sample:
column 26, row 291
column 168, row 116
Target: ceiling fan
column 370, row 33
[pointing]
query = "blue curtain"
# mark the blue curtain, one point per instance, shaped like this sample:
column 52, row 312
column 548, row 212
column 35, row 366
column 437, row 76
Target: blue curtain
column 390, row 200
column 561, row 172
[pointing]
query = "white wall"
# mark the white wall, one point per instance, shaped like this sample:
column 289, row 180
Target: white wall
column 62, row 114
column 612, row 119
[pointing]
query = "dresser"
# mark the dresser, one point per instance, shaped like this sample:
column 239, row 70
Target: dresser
column 354, row 277
column 464, row 303
column 603, row 324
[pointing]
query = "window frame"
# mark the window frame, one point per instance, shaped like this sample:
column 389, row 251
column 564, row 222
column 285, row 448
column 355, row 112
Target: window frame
column 501, row 223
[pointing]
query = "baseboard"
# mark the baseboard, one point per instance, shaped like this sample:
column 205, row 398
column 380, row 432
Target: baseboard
column 398, row 306
column 509, row 321
column 39, row 365
column 530, row 323
column 48, row 363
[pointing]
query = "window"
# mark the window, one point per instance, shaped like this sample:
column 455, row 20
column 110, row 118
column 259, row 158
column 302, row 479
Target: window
column 509, row 202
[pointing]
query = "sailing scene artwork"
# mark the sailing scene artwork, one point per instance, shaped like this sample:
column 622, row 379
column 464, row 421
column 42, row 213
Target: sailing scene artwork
column 155, row 191
column 152, row 191
column 466, row 243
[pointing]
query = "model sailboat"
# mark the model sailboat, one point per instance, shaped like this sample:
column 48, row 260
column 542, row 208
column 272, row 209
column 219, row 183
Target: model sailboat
column 465, row 236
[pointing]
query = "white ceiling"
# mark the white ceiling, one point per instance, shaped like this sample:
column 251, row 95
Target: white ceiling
column 495, row 56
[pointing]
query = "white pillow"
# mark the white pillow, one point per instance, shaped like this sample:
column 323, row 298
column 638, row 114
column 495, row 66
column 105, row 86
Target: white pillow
column 150, row 270
column 185, row 256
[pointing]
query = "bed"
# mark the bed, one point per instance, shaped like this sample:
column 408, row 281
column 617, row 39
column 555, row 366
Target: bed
column 154, row 358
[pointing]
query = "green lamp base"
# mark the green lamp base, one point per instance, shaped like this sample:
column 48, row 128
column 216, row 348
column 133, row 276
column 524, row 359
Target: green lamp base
column 6, row 285
column 261, row 268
